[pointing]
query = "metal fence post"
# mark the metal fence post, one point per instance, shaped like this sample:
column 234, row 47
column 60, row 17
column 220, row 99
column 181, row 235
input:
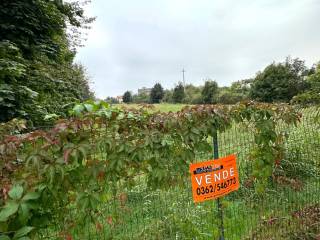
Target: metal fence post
column 220, row 211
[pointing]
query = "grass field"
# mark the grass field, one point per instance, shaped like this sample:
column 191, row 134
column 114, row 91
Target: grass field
column 162, row 107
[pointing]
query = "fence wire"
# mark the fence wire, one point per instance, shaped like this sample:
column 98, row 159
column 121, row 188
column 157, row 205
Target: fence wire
column 288, row 209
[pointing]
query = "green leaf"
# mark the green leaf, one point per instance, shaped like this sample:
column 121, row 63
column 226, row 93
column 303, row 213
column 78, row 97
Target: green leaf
column 41, row 187
column 9, row 209
column 84, row 205
column 195, row 130
column 16, row 192
column 8, row 104
column 3, row 226
column 31, row 196
column 82, row 150
column 66, row 154
column 31, row 93
column 50, row 116
column 77, row 109
column 104, row 104
column 23, row 212
column 22, row 232
column 88, row 107
column 4, row 237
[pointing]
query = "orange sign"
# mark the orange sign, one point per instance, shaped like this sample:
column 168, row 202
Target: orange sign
column 213, row 179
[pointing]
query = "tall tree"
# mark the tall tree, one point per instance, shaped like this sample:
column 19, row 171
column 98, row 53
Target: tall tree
column 210, row 92
column 279, row 82
column 127, row 97
column 192, row 94
column 37, row 73
column 312, row 94
column 157, row 93
column 238, row 91
column 168, row 96
column 178, row 93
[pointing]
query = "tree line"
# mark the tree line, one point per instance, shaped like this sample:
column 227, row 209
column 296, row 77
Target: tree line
column 38, row 76
column 288, row 81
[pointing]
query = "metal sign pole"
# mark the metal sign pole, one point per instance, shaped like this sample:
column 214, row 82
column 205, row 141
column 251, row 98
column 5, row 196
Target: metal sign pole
column 216, row 156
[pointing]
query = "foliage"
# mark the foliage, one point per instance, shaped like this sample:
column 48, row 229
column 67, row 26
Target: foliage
column 239, row 91
column 227, row 97
column 268, row 151
column 312, row 94
column 14, row 126
column 193, row 94
column 15, row 99
column 190, row 95
column 157, row 93
column 178, row 93
column 209, row 92
column 37, row 74
column 307, row 98
column 111, row 100
column 127, row 97
column 242, row 87
column 74, row 165
column 89, row 106
column 141, row 98
column 279, row 82
column 167, row 98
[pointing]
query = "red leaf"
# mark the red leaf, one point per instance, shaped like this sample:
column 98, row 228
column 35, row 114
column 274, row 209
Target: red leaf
column 66, row 155
column 69, row 237
column 109, row 220
column 98, row 226
column 5, row 191
column 101, row 175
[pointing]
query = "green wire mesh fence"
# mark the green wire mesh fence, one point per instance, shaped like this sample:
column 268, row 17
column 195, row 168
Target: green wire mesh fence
column 288, row 209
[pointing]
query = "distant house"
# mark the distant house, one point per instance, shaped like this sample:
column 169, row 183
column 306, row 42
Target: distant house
column 144, row 90
column 119, row 99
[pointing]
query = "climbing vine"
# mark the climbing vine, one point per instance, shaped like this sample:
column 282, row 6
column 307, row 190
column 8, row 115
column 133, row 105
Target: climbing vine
column 77, row 164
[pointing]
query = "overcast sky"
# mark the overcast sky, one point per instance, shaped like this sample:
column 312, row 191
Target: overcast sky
column 138, row 43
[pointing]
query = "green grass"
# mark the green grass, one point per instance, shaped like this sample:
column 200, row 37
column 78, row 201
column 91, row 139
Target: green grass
column 167, row 107
column 173, row 215
column 162, row 107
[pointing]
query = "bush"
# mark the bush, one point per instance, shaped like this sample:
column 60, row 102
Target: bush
column 75, row 165
column 157, row 93
column 178, row 94
column 210, row 92
column 127, row 97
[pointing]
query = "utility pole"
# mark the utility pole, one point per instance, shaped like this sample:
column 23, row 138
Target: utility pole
column 183, row 79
